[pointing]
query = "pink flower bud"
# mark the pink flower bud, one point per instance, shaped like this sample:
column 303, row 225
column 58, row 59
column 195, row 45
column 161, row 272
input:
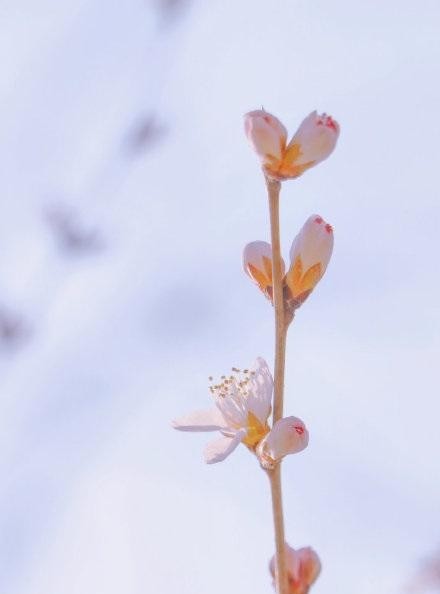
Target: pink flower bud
column 303, row 568
column 257, row 263
column 266, row 134
column 287, row 436
column 309, row 256
column 313, row 142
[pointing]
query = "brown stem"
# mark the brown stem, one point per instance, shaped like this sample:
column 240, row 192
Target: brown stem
column 278, row 520
column 273, row 188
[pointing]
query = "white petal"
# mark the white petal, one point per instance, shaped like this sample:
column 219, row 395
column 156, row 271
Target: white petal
column 316, row 137
column 314, row 243
column 201, row 420
column 233, row 408
column 260, row 389
column 266, row 133
column 259, row 254
column 220, row 448
column 256, row 253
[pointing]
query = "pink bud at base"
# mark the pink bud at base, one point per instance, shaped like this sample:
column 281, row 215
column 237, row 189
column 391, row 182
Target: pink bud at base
column 303, row 568
column 287, row 436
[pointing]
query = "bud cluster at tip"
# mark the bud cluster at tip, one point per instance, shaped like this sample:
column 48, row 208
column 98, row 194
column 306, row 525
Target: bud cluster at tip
column 313, row 142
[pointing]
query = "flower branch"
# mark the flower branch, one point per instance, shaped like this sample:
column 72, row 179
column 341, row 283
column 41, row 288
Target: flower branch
column 243, row 398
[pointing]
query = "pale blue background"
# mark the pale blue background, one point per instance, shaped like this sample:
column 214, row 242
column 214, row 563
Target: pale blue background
column 98, row 494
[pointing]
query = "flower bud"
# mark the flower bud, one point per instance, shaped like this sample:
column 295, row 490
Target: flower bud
column 313, row 142
column 257, row 263
column 303, row 568
column 309, row 256
column 266, row 134
column 287, row 436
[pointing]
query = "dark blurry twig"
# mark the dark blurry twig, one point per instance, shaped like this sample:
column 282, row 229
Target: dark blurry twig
column 13, row 329
column 146, row 132
column 169, row 10
column 72, row 235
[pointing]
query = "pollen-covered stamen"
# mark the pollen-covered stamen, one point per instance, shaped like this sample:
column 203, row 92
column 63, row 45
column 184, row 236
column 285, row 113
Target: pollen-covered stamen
column 234, row 385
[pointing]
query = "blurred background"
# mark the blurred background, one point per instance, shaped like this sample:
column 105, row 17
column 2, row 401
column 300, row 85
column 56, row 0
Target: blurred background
column 128, row 193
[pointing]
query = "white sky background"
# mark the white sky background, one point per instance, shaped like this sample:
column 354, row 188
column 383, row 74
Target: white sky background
column 99, row 494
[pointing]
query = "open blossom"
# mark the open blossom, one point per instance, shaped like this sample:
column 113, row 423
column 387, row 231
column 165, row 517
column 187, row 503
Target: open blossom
column 303, row 568
column 287, row 436
column 309, row 256
column 313, row 142
column 242, row 407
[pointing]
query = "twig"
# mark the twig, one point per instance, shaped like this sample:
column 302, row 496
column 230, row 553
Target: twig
column 273, row 188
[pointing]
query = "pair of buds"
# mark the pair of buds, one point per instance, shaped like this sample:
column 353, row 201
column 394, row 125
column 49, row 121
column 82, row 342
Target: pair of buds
column 309, row 256
column 313, row 142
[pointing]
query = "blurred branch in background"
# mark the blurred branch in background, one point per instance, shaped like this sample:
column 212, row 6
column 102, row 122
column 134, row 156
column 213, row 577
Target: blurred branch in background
column 102, row 146
column 144, row 134
column 14, row 330
column 92, row 79
column 169, row 10
column 73, row 235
